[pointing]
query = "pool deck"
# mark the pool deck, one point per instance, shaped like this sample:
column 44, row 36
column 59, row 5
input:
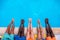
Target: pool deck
column 3, row 29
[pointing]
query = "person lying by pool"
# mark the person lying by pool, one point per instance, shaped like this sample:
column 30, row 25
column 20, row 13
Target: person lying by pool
column 49, row 33
column 30, row 34
column 20, row 35
column 9, row 34
column 40, row 34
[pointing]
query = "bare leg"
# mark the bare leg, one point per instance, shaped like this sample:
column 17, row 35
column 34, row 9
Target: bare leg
column 8, row 30
column 12, row 23
column 49, row 31
column 12, row 30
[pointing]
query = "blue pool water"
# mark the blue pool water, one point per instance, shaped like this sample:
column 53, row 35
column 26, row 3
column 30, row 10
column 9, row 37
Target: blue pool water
column 25, row 9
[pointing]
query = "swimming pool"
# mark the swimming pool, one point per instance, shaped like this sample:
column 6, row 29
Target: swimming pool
column 25, row 9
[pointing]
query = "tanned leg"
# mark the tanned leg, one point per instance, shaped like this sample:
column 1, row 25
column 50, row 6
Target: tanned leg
column 8, row 30
column 12, row 30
